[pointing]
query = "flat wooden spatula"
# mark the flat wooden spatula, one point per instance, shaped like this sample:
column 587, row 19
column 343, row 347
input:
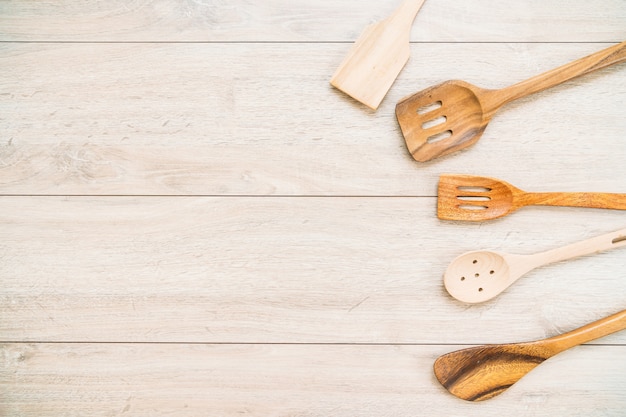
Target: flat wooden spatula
column 482, row 372
column 377, row 57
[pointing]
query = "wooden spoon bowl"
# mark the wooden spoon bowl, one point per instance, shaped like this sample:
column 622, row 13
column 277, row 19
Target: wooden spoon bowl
column 477, row 276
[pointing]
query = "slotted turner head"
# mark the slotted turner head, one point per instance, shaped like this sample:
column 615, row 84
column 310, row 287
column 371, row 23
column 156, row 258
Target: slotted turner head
column 441, row 119
column 473, row 198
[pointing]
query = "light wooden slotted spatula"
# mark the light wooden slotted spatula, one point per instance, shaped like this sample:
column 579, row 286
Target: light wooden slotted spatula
column 474, row 198
column 377, row 57
column 482, row 372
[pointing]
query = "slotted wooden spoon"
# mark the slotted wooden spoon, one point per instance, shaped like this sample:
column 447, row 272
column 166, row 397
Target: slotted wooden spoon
column 453, row 115
column 377, row 57
column 474, row 198
column 482, row 372
column 478, row 276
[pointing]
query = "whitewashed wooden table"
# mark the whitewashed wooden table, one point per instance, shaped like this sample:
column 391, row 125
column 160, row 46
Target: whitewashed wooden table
column 193, row 222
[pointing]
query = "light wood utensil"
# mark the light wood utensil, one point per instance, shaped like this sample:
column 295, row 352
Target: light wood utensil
column 478, row 276
column 453, row 115
column 482, row 372
column 475, row 198
column 377, row 57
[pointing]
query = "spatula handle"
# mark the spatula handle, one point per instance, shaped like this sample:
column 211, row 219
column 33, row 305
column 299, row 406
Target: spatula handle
column 586, row 247
column 590, row 63
column 589, row 200
column 406, row 12
column 591, row 331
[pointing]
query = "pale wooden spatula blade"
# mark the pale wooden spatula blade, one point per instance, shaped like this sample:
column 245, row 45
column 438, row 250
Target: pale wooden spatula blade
column 377, row 57
column 372, row 65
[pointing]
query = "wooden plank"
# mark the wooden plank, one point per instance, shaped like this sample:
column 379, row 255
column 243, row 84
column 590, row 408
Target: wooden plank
column 298, row 20
column 276, row 380
column 178, row 300
column 258, row 119
column 285, row 270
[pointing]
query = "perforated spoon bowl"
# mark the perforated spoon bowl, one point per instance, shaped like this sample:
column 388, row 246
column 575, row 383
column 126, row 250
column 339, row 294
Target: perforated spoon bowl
column 453, row 115
column 478, row 276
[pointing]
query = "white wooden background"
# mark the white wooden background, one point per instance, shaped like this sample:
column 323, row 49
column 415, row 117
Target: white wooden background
column 194, row 223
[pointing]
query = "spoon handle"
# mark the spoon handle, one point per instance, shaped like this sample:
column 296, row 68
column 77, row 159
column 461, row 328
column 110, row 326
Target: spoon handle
column 587, row 333
column 586, row 247
column 590, row 63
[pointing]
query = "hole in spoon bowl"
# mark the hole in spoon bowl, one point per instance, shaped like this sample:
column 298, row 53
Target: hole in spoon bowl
column 618, row 239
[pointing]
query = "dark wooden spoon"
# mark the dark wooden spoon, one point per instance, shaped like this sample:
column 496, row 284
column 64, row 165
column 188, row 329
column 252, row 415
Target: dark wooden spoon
column 482, row 372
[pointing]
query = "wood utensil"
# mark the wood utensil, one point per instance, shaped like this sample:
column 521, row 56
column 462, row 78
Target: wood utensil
column 377, row 57
column 453, row 115
column 475, row 198
column 478, row 276
column 482, row 372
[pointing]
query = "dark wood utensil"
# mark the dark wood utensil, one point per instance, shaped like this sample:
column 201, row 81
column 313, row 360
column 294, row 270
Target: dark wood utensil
column 482, row 372
column 474, row 198
column 453, row 115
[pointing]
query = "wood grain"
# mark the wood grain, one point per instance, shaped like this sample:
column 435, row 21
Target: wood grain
column 137, row 119
column 194, row 222
column 301, row 21
column 283, row 270
column 276, row 380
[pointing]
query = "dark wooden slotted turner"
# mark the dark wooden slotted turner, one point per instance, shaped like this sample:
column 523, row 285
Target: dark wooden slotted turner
column 453, row 115
column 475, row 198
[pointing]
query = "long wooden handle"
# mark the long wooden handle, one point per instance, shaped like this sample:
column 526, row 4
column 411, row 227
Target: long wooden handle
column 607, row 241
column 590, row 200
column 593, row 62
column 591, row 331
